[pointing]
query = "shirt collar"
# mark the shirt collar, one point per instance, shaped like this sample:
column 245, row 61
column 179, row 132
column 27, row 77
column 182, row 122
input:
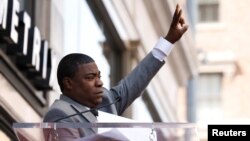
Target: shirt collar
column 73, row 102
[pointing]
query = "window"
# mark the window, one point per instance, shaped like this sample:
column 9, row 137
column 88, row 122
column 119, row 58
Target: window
column 208, row 97
column 208, row 11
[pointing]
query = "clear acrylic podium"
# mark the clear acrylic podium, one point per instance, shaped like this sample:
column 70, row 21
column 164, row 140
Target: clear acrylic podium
column 108, row 128
column 130, row 131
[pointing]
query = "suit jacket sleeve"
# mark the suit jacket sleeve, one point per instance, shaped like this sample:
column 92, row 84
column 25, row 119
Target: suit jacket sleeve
column 134, row 83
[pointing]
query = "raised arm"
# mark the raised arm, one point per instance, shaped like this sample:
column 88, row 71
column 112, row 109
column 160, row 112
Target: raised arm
column 135, row 83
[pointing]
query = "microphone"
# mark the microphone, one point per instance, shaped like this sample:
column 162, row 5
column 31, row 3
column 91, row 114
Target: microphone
column 94, row 110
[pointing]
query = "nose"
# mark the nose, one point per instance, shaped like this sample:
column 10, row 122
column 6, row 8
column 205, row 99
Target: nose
column 99, row 82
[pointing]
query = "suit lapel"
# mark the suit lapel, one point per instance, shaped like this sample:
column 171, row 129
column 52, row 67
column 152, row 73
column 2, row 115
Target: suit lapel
column 88, row 116
column 77, row 108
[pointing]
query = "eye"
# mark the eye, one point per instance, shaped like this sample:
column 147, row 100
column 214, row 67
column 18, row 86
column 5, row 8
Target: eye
column 90, row 77
column 99, row 75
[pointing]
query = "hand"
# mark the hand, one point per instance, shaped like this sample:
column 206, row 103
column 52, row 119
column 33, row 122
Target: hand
column 177, row 27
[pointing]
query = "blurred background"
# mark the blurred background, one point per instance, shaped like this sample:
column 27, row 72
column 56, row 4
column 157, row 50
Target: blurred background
column 204, row 80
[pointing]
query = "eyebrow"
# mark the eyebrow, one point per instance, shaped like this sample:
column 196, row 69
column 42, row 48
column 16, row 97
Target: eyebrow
column 98, row 73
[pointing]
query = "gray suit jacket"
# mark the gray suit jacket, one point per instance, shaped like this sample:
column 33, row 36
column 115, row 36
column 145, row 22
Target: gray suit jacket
column 128, row 89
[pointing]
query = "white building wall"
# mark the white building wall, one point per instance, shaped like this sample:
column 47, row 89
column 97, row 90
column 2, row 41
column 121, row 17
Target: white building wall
column 74, row 30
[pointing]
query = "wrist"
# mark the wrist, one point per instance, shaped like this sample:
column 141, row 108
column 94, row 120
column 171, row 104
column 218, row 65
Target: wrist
column 169, row 39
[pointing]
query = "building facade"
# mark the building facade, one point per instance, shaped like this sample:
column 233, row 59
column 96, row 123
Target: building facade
column 222, row 43
column 36, row 34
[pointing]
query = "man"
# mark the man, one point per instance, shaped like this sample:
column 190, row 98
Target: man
column 79, row 81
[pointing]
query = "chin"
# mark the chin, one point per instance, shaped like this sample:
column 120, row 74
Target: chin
column 98, row 102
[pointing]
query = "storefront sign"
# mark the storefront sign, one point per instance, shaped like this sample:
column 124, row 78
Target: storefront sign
column 24, row 41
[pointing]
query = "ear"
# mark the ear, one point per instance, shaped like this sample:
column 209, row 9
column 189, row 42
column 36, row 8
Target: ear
column 67, row 82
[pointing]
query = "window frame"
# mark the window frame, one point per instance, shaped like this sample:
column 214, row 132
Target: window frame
column 207, row 7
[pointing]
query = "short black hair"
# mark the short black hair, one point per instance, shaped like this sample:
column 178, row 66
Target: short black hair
column 69, row 65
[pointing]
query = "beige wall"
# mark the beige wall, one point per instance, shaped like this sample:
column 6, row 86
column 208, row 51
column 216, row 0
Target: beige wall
column 228, row 41
column 231, row 34
column 18, row 107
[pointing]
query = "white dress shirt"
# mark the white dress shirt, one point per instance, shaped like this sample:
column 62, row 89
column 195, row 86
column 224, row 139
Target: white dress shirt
column 162, row 49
